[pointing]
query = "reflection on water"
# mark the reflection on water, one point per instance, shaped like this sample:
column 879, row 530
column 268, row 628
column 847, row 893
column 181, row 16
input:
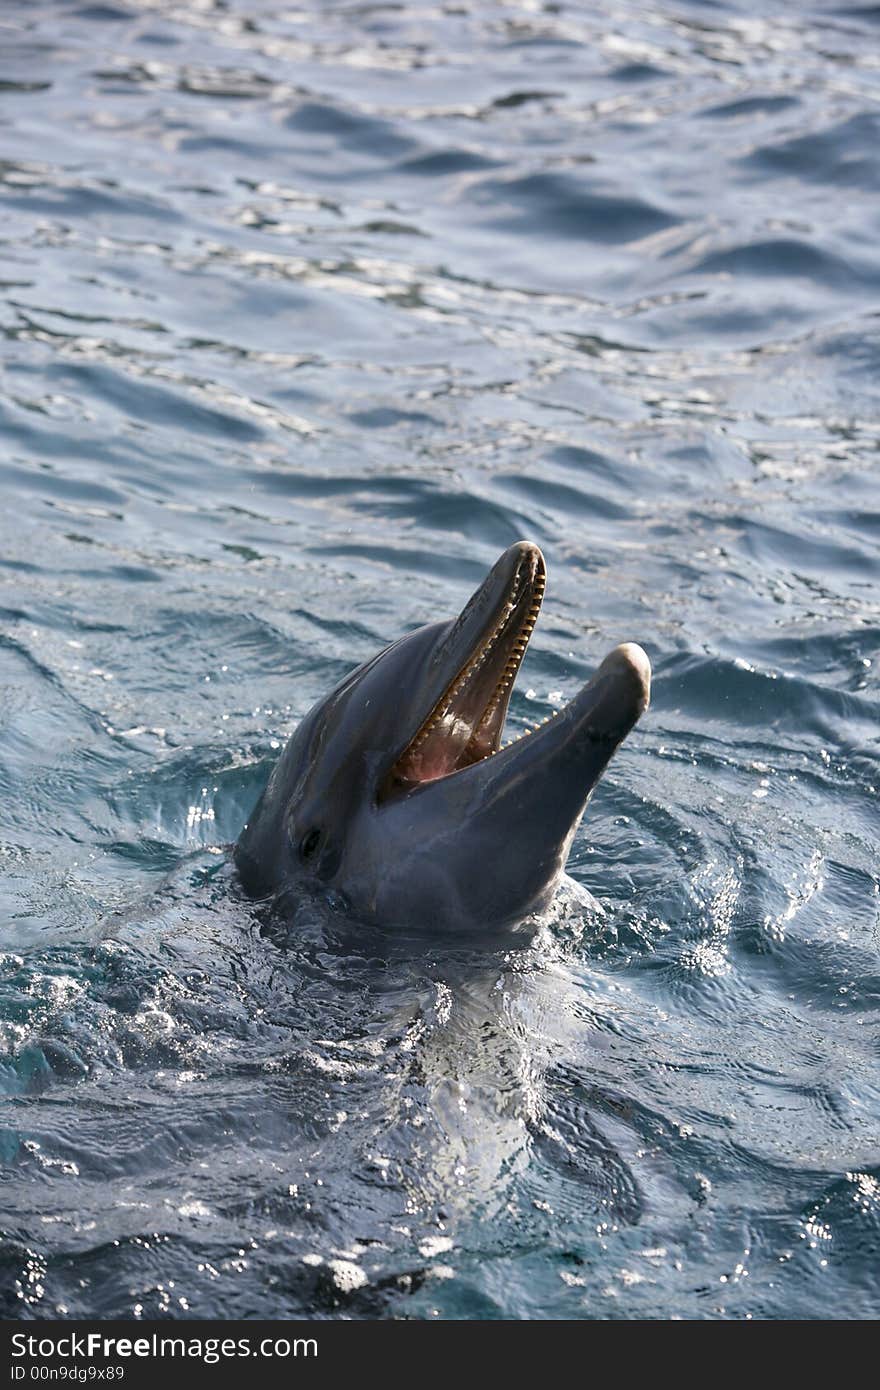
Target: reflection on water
column 307, row 314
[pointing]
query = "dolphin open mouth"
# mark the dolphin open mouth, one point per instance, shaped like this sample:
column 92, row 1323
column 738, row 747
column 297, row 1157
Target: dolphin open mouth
column 487, row 645
column 478, row 662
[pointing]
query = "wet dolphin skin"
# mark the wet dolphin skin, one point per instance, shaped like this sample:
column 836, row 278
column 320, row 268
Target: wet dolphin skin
column 395, row 791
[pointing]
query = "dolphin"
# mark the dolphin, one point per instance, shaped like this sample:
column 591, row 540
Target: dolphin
column 395, row 795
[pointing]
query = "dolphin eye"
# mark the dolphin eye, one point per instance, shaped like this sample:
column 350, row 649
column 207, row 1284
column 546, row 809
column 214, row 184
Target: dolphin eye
column 309, row 843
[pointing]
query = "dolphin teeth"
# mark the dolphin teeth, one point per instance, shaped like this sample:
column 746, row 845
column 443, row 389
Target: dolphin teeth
column 476, row 748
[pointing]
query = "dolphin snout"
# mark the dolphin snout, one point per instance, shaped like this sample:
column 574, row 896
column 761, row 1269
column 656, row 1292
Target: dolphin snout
column 629, row 662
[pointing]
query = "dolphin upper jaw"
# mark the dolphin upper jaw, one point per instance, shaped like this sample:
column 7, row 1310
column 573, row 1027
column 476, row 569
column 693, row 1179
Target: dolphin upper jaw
column 471, row 675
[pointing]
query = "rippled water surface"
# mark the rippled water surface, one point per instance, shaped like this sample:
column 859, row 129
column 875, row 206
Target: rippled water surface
column 308, row 311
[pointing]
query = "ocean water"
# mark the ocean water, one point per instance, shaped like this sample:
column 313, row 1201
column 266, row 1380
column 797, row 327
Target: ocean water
column 307, row 312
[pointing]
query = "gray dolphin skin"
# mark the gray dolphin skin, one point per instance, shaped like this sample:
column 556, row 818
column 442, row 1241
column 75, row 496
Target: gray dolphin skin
column 395, row 792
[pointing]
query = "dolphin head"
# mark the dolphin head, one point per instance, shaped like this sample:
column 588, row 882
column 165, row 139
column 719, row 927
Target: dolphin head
column 395, row 792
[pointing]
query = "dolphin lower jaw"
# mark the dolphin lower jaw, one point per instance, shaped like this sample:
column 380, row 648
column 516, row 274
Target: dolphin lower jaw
column 515, row 814
column 502, row 827
column 575, row 744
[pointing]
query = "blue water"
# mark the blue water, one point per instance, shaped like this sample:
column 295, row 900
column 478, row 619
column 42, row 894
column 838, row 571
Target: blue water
column 307, row 313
